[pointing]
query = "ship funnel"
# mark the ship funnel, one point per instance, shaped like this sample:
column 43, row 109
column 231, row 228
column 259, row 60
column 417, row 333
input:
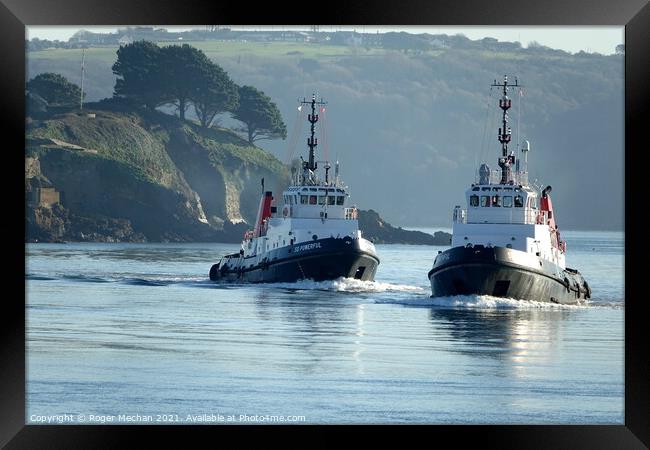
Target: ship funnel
column 546, row 191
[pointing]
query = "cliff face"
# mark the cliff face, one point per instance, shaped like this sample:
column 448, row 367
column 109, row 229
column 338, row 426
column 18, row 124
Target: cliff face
column 107, row 175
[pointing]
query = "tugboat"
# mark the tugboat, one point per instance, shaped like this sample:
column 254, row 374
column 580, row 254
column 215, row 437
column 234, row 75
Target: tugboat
column 316, row 236
column 506, row 243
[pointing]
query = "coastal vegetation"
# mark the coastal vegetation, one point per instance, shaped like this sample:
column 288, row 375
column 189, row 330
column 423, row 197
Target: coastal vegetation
column 409, row 125
column 113, row 173
column 182, row 75
column 54, row 89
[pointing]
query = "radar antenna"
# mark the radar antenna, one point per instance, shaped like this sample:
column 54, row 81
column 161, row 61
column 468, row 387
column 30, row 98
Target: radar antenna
column 312, row 141
column 505, row 132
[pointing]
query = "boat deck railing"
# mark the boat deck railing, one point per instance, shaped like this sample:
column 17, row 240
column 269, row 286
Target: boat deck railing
column 460, row 215
column 517, row 177
column 537, row 217
column 351, row 213
column 531, row 217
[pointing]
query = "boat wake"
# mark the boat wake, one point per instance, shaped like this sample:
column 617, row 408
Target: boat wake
column 489, row 302
column 338, row 285
column 399, row 294
column 131, row 279
column 349, row 285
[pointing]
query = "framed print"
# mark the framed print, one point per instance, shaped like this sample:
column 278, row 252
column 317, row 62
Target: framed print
column 285, row 227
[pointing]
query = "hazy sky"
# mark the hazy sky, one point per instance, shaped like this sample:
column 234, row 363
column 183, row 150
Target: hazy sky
column 601, row 39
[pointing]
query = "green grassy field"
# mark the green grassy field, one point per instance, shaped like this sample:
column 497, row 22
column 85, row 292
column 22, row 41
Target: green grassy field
column 216, row 49
column 226, row 49
column 105, row 54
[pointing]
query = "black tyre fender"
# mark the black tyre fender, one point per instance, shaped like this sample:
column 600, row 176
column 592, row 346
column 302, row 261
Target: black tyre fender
column 577, row 286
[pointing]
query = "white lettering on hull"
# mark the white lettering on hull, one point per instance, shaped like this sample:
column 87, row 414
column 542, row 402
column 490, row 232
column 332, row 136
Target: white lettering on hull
column 312, row 246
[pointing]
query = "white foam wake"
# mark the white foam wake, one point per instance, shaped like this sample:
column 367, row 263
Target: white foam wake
column 350, row 285
column 481, row 302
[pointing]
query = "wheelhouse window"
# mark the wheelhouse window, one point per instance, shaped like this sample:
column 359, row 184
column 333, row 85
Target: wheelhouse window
column 312, row 199
column 485, row 200
column 303, row 199
column 331, row 200
column 340, row 199
column 507, row 201
column 473, row 200
column 496, row 200
column 321, row 199
column 519, row 201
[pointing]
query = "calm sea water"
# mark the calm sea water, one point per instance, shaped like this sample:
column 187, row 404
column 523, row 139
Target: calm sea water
column 136, row 333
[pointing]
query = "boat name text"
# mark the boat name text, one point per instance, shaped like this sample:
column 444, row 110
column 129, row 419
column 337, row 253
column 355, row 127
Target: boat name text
column 304, row 247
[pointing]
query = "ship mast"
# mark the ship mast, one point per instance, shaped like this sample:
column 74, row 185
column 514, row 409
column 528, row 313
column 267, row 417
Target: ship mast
column 505, row 132
column 312, row 141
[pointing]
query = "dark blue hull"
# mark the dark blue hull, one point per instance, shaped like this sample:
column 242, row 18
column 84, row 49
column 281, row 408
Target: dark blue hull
column 504, row 272
column 319, row 260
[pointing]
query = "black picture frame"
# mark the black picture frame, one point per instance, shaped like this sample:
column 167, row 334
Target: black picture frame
column 633, row 14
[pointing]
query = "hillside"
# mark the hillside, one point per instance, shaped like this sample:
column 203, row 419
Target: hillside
column 112, row 175
column 422, row 121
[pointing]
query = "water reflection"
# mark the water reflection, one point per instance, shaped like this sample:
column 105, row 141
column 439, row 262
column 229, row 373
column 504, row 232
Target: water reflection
column 358, row 347
column 520, row 338
column 317, row 323
column 147, row 253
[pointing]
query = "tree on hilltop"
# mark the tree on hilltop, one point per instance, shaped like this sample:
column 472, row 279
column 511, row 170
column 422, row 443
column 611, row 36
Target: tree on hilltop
column 138, row 73
column 182, row 69
column 55, row 89
column 213, row 93
column 260, row 115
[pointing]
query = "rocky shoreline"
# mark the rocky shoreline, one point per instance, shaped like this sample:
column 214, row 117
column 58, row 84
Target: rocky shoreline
column 56, row 224
column 379, row 231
